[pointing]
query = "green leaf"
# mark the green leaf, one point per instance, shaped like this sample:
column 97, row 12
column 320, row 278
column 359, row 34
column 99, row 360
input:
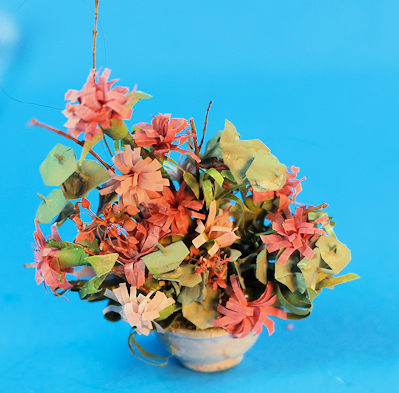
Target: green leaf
column 118, row 130
column 330, row 282
column 166, row 312
column 58, row 165
column 102, row 264
column 88, row 145
column 93, row 246
column 89, row 175
column 167, row 259
column 105, row 200
column 66, row 212
column 294, row 303
column 185, row 275
column 333, row 252
column 51, row 206
column 310, row 269
column 208, row 192
column 261, row 266
column 251, row 161
column 192, row 183
column 91, row 286
column 216, row 176
column 213, row 149
column 71, row 256
column 137, row 96
column 201, row 314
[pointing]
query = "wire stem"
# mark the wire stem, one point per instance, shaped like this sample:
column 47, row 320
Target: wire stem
column 65, row 135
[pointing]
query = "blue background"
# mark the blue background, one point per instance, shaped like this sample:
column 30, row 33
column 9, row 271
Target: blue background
column 316, row 80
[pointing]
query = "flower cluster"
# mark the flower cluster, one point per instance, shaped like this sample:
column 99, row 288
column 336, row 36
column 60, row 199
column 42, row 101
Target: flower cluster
column 214, row 238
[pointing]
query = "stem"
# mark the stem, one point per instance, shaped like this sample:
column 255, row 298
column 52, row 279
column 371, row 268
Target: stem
column 311, row 209
column 65, row 135
column 95, row 35
column 205, row 124
column 106, row 144
column 42, row 197
column 196, row 149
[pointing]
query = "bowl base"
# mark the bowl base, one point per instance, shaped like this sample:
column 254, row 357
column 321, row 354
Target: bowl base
column 212, row 367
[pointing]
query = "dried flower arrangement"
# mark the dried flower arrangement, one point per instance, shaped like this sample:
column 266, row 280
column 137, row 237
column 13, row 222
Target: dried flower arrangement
column 213, row 239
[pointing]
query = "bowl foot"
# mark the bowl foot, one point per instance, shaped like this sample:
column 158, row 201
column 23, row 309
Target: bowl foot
column 212, row 367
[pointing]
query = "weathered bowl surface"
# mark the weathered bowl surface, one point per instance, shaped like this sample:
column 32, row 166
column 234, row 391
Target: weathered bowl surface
column 207, row 350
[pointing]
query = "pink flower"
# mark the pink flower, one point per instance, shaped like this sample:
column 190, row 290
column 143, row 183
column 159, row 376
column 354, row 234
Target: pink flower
column 138, row 310
column 293, row 232
column 241, row 317
column 218, row 228
column 173, row 210
column 286, row 195
column 131, row 247
column 48, row 269
column 161, row 135
column 140, row 179
column 97, row 104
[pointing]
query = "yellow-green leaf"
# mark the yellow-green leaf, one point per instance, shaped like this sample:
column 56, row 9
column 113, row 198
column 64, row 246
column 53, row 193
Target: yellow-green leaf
column 167, row 259
column 333, row 252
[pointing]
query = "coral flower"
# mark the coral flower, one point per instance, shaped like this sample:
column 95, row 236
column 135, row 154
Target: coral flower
column 173, row 210
column 241, row 317
column 97, row 105
column 131, row 247
column 218, row 227
column 162, row 135
column 286, row 195
column 293, row 232
column 138, row 310
column 139, row 180
column 216, row 265
column 48, row 269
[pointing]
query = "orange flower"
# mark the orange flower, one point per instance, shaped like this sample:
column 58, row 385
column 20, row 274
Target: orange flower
column 241, row 317
column 286, row 195
column 293, row 232
column 218, row 228
column 140, row 179
column 216, row 265
column 173, row 210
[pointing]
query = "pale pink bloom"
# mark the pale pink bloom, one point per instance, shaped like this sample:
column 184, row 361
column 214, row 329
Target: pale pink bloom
column 241, row 317
column 48, row 269
column 218, row 227
column 162, row 135
column 97, row 104
column 138, row 310
column 140, row 179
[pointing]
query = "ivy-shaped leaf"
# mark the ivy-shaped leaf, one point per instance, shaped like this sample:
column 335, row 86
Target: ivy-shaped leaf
column 59, row 164
column 167, row 259
column 89, row 175
column 102, row 264
column 251, row 161
column 51, row 206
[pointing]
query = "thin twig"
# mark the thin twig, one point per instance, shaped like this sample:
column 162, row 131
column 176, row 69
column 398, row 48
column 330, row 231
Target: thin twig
column 95, row 35
column 205, row 124
column 196, row 149
column 313, row 208
column 106, row 144
column 65, row 135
